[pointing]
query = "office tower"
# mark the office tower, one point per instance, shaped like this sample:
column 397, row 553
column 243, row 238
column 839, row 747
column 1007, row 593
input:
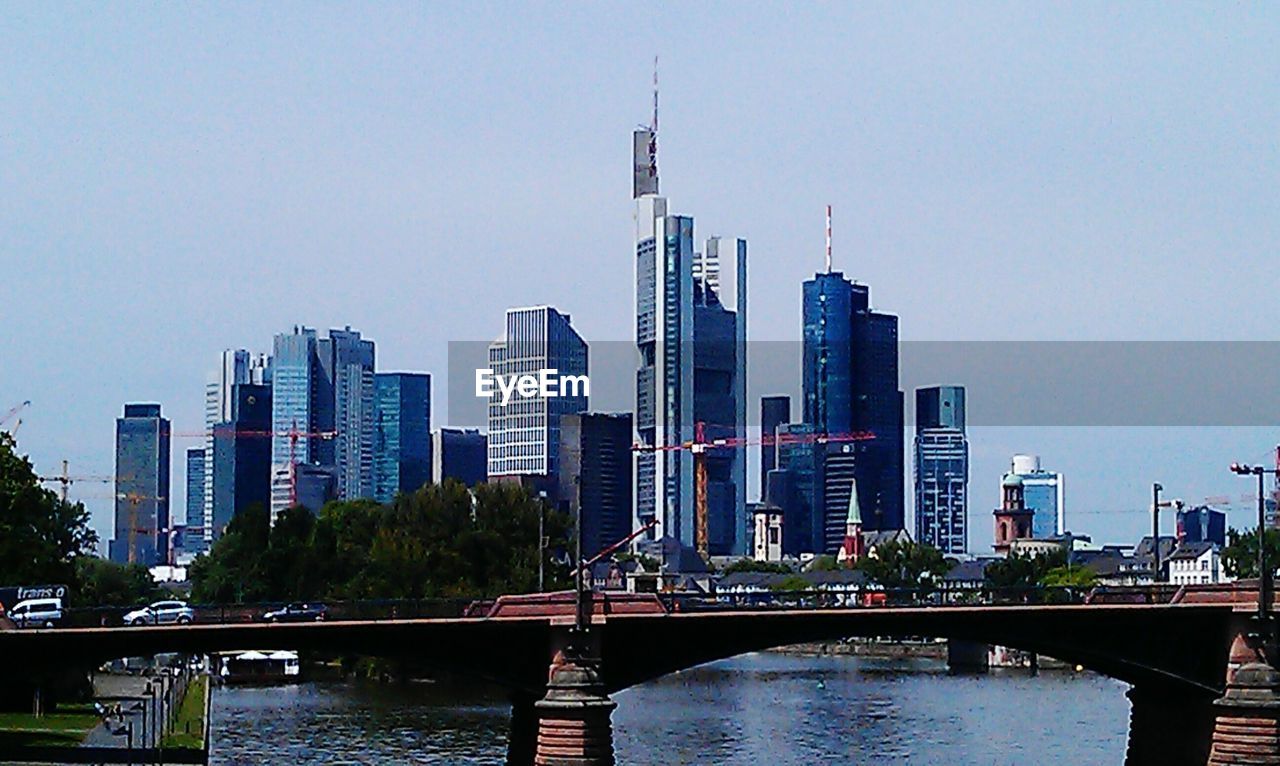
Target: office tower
column 850, row 384
column 1045, row 495
column 524, row 432
column 1202, row 524
column 193, row 538
column 351, row 360
column 402, row 433
column 595, row 476
column 774, row 411
column 322, row 411
column 459, row 454
column 315, row 485
column 941, row 469
column 691, row 331
column 142, row 486
column 242, row 455
column 234, row 366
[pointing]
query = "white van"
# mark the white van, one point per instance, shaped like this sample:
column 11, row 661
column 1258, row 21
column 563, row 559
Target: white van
column 37, row 613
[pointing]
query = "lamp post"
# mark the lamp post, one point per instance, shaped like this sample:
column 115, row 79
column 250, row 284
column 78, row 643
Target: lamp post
column 542, row 538
column 1156, row 488
column 1264, row 572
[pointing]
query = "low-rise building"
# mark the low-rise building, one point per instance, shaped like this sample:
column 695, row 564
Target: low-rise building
column 1195, row 564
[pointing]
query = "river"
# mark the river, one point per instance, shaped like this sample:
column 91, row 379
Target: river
column 774, row 709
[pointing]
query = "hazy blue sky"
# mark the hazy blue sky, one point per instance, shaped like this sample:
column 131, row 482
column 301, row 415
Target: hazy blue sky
column 178, row 179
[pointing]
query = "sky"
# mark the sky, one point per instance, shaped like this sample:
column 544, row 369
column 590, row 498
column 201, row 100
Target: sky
column 180, row 179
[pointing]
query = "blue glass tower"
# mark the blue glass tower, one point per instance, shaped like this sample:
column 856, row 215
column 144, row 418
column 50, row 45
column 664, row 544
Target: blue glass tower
column 941, row 469
column 142, row 486
column 459, row 454
column 402, row 434
column 242, row 455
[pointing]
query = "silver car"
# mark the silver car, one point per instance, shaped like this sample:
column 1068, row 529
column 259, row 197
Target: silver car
column 161, row 613
column 37, row 613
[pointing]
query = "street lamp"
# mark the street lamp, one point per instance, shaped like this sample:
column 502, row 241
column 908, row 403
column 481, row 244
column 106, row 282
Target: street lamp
column 1264, row 572
column 1156, row 489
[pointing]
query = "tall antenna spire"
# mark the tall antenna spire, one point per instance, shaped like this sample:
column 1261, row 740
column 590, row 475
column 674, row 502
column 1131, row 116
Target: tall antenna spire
column 828, row 239
column 655, row 95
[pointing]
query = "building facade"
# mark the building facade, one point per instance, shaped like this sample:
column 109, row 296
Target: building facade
column 595, row 476
column 459, row 454
column 1202, row 524
column 234, row 366
column 524, row 431
column 142, row 521
column 1045, row 495
column 351, row 362
column 774, row 411
column 691, row 309
column 402, row 434
column 941, row 469
column 194, row 540
column 242, row 455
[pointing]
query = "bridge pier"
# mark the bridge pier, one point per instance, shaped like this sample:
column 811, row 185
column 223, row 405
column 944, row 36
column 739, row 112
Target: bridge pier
column 1167, row 728
column 1247, row 726
column 522, row 738
column 574, row 726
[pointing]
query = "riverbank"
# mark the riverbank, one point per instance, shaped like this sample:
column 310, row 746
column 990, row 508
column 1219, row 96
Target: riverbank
column 67, row 726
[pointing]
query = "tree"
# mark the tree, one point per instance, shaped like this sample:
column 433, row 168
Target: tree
column 823, row 563
column 105, row 583
column 1069, row 577
column 235, row 570
column 751, row 565
column 1240, row 556
column 1023, row 570
column 904, row 564
column 41, row 536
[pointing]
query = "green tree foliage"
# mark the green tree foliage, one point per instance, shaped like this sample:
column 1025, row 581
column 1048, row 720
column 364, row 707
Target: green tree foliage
column 441, row 541
column 904, row 564
column 1022, row 570
column 1240, row 557
column 751, row 565
column 104, row 583
column 1069, row 577
column 40, row 535
column 823, row 563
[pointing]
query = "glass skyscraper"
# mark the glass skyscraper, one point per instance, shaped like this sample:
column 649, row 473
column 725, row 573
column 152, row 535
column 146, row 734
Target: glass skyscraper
column 524, row 433
column 351, row 360
column 459, row 454
column 242, row 455
column 1044, row 493
column 142, row 486
column 595, row 476
column 193, row 539
column 774, row 411
column 402, row 433
column 941, row 469
column 691, row 334
column 234, row 366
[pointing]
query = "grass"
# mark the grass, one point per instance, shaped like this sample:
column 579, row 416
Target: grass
column 188, row 729
column 67, row 726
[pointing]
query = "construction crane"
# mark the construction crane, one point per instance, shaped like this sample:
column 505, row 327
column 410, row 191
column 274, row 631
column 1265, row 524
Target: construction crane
column 700, row 446
column 13, row 413
column 66, row 479
column 294, row 434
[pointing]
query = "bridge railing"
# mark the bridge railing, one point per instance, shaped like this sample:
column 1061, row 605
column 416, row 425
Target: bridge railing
column 370, row 610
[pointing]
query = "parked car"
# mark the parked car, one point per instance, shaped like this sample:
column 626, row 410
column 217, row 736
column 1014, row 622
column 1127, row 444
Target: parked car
column 161, row 613
column 298, row 612
column 37, row 613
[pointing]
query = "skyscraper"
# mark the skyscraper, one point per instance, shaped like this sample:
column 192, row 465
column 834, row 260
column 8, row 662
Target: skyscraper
column 774, row 411
column 691, row 331
column 351, row 360
column 242, row 455
column 941, row 469
column 234, row 366
column 402, row 433
column 850, row 384
column 1044, row 493
column 595, row 476
column 524, row 432
column 195, row 500
column 459, row 454
column 142, row 486
column 322, row 411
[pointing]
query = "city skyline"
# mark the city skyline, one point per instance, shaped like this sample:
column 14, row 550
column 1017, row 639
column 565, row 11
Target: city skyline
column 1037, row 239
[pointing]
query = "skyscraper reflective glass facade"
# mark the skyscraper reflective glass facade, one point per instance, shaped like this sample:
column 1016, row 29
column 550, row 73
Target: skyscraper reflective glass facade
column 941, row 468
column 402, row 433
column 142, row 486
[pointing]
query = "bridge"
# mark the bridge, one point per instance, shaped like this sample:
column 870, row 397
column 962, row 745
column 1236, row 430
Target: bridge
column 1180, row 658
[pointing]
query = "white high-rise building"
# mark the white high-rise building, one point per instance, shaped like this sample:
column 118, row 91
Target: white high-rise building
column 1045, row 495
column 235, row 366
column 524, row 433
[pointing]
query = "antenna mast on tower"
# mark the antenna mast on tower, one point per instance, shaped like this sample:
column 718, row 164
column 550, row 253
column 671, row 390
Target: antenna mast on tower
column 828, row 239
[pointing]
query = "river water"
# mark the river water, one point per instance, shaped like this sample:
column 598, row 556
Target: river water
column 760, row 709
